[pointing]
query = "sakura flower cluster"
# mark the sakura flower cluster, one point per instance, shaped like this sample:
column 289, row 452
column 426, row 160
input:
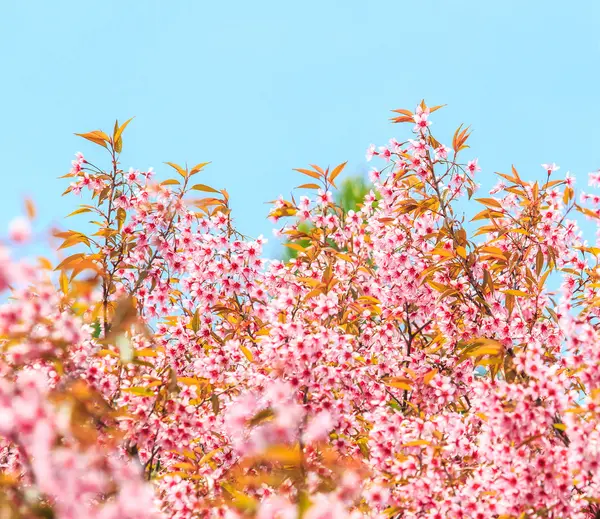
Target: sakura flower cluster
column 402, row 365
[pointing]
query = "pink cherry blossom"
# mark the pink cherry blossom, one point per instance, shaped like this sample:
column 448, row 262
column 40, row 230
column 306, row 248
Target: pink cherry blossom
column 19, row 230
column 550, row 168
column 371, row 152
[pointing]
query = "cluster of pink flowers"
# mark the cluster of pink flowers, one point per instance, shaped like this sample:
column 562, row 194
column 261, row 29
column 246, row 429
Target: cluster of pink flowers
column 397, row 367
column 37, row 440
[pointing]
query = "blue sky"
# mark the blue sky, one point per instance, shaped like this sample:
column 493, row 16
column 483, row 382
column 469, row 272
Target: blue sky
column 262, row 87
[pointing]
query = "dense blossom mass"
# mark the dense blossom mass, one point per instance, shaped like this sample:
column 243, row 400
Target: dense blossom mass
column 402, row 365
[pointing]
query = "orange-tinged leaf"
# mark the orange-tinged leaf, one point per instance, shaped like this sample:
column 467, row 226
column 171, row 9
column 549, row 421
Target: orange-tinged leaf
column 369, row 299
column 30, row 208
column 336, row 171
column 177, row 168
column 416, row 443
column 189, row 381
column 84, row 264
column 119, row 131
column 485, row 350
column 398, row 382
column 216, row 405
column 455, row 139
column 309, row 186
column 483, row 346
column 310, row 281
column 208, row 456
column 402, row 111
column 460, row 136
column 587, row 212
column 295, row 246
column 308, row 172
column 71, row 259
column 482, row 340
column 97, row 137
column 536, row 190
column 493, row 251
column 487, row 279
column 283, row 454
column 107, row 353
column 344, row 257
column 146, row 352
column 121, row 217
column 509, row 303
column 493, row 360
column 138, row 391
column 314, row 293
column 519, row 231
column 81, row 210
column 74, row 240
column 403, row 119
column 196, row 321
column 190, row 455
column 519, row 293
column 539, row 262
column 63, row 281
column 489, row 202
column 543, row 278
column 247, row 353
column 284, row 211
column 203, row 187
column 441, row 251
column 516, row 174
column 429, row 376
column 45, row 263
column 198, row 167
column 170, row 182
column 106, row 232
column 117, row 143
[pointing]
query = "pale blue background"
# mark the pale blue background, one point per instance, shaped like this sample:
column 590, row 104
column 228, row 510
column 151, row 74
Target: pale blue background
column 261, row 87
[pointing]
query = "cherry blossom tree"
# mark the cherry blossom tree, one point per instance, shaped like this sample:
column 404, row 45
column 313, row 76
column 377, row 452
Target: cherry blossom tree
column 399, row 366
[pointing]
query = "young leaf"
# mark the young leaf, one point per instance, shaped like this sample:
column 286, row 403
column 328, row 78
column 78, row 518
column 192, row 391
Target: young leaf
column 97, row 137
column 336, row 171
column 138, row 391
column 202, row 187
column 398, row 382
column 64, row 283
column 198, row 167
column 30, row 208
column 177, row 168
column 309, row 186
column 308, row 172
column 119, row 131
